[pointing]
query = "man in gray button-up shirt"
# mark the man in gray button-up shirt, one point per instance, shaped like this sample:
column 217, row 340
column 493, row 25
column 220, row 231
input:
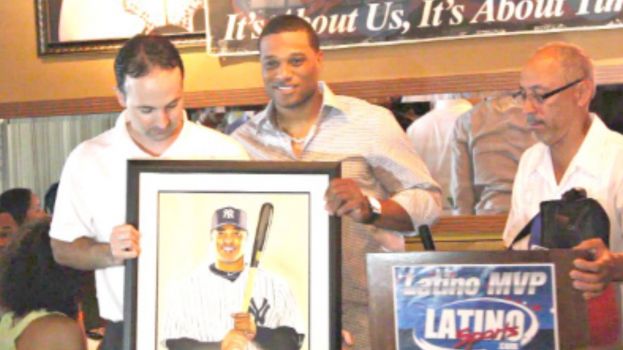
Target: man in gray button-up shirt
column 386, row 190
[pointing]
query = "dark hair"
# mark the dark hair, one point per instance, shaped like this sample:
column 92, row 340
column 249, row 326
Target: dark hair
column 16, row 201
column 50, row 198
column 140, row 54
column 290, row 23
column 30, row 278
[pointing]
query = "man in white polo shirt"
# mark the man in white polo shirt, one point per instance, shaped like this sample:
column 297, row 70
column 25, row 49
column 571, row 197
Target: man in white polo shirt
column 575, row 150
column 88, row 230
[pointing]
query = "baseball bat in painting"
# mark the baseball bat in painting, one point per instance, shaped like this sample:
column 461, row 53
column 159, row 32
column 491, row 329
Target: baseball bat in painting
column 261, row 237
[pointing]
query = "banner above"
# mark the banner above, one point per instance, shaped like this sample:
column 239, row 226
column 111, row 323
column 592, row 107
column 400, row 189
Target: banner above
column 233, row 26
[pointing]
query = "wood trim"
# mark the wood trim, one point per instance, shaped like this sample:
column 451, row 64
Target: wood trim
column 375, row 89
column 470, row 224
column 464, row 231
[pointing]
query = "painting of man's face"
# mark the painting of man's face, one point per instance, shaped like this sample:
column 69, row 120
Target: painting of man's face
column 229, row 240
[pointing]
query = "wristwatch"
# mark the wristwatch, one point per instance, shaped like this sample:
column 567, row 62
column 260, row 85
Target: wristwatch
column 375, row 209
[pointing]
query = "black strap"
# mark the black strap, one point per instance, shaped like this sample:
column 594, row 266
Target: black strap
column 525, row 231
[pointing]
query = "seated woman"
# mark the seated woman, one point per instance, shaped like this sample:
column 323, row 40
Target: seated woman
column 8, row 227
column 22, row 204
column 38, row 296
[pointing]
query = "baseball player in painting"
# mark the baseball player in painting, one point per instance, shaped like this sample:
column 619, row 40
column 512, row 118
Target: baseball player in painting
column 203, row 311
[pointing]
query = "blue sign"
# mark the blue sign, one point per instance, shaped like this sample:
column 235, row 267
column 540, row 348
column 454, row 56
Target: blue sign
column 488, row 307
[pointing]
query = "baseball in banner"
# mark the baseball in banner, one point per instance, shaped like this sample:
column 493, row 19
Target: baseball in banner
column 489, row 307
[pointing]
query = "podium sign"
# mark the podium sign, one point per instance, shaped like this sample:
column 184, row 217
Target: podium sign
column 475, row 300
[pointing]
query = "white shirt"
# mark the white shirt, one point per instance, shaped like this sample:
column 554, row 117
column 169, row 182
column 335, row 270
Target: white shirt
column 597, row 167
column 431, row 135
column 92, row 193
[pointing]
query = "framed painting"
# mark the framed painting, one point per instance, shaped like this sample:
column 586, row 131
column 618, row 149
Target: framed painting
column 70, row 26
column 476, row 300
column 232, row 252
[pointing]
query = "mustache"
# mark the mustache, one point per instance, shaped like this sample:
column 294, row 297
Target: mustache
column 532, row 118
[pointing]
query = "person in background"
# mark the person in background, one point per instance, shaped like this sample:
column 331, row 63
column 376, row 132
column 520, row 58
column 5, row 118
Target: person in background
column 385, row 190
column 486, row 145
column 22, row 204
column 431, row 135
column 49, row 199
column 93, row 324
column 38, row 296
column 8, row 228
column 88, row 227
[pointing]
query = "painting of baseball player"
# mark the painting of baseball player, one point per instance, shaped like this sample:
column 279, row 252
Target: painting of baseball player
column 204, row 310
column 81, row 20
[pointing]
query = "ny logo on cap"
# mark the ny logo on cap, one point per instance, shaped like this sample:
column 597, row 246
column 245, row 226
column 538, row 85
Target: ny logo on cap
column 229, row 216
column 228, row 213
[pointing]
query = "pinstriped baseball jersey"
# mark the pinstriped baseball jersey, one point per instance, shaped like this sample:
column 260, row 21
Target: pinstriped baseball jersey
column 200, row 306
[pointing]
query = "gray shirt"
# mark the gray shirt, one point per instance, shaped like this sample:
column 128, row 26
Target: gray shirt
column 487, row 144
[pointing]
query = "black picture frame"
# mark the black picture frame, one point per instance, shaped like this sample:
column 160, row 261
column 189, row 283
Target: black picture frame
column 48, row 19
column 157, row 186
column 571, row 310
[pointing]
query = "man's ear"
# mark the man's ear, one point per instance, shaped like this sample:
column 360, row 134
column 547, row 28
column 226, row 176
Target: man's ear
column 120, row 97
column 586, row 92
column 320, row 57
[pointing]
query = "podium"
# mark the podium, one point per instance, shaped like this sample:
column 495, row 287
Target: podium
column 475, row 300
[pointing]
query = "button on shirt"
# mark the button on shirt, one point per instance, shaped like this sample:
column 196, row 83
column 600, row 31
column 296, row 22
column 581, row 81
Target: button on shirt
column 374, row 151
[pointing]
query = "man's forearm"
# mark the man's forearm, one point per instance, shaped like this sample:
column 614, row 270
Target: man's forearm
column 424, row 206
column 393, row 217
column 83, row 254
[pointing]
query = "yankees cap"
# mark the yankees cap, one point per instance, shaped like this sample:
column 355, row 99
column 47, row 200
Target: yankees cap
column 229, row 216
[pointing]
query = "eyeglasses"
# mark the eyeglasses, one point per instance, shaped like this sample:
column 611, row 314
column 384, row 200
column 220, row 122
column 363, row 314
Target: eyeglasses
column 522, row 95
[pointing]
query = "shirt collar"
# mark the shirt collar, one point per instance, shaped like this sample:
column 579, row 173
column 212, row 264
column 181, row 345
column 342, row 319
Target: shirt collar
column 123, row 138
column 330, row 100
column 266, row 120
column 125, row 141
column 586, row 159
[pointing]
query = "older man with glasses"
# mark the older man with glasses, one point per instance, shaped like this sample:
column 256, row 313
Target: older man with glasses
column 576, row 149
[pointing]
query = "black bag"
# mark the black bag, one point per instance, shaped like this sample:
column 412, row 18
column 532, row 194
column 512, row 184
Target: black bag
column 566, row 222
